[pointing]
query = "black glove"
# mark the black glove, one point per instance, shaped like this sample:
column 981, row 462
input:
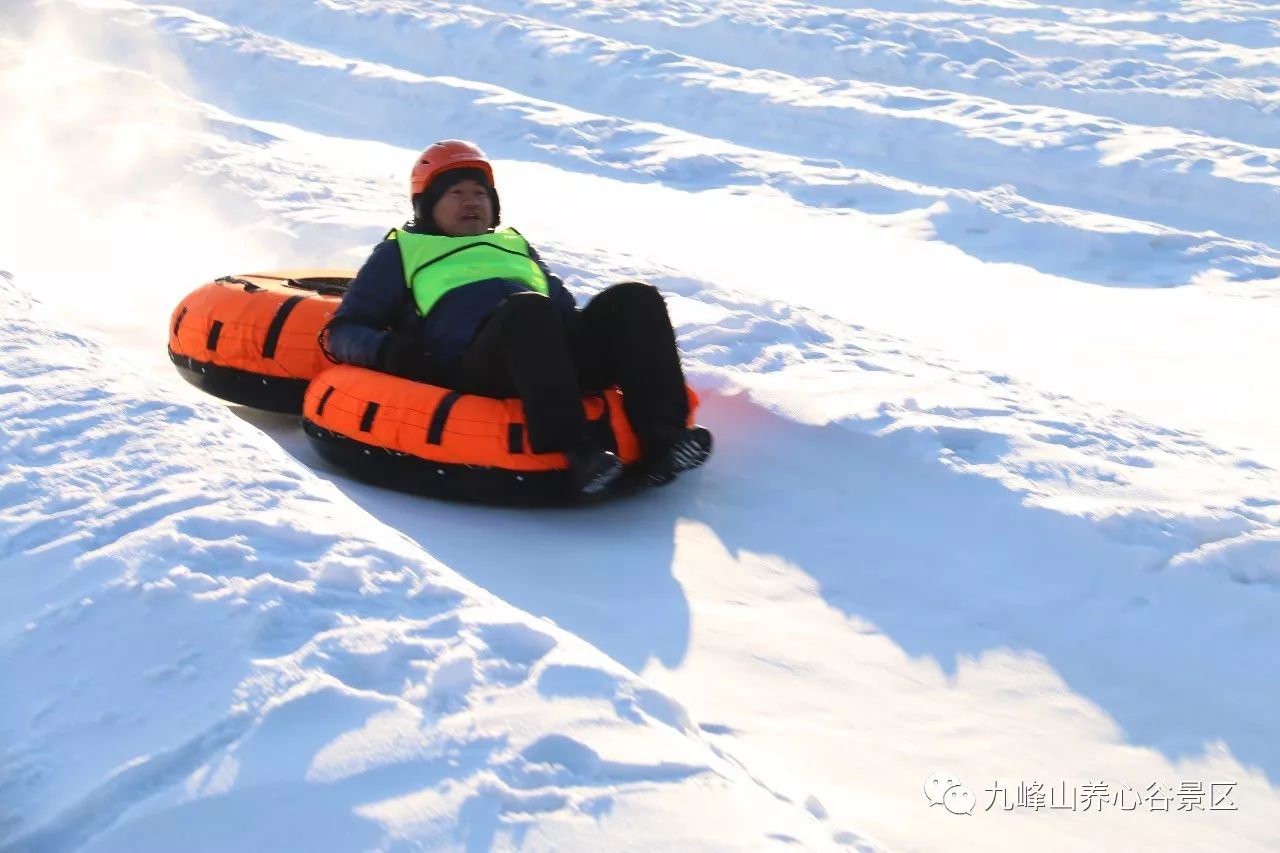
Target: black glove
column 404, row 355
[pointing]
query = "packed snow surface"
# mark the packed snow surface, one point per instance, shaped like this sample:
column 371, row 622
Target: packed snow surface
column 981, row 298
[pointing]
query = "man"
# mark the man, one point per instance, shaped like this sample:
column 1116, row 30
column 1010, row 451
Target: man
column 451, row 301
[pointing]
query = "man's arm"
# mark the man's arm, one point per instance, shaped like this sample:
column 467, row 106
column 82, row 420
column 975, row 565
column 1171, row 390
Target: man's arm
column 358, row 334
column 555, row 286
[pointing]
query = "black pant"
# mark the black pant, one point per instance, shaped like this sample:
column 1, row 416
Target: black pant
column 623, row 337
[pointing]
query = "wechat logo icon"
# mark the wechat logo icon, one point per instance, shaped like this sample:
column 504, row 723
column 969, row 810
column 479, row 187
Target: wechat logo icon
column 944, row 789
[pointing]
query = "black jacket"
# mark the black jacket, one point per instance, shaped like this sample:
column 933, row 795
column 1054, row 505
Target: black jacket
column 379, row 301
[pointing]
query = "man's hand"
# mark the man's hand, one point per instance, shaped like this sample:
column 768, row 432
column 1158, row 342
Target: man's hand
column 404, row 355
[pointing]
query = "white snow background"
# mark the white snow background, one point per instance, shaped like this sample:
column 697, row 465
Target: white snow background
column 981, row 297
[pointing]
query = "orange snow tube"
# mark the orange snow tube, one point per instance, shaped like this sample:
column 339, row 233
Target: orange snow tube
column 252, row 339
column 430, row 440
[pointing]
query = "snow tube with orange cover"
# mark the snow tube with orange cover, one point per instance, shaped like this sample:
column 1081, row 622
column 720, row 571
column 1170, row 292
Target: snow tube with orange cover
column 430, row 440
column 252, row 339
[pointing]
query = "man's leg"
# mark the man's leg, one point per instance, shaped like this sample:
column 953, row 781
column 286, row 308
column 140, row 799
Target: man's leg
column 522, row 351
column 624, row 338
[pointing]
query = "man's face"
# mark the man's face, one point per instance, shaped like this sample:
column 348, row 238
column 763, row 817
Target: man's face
column 464, row 210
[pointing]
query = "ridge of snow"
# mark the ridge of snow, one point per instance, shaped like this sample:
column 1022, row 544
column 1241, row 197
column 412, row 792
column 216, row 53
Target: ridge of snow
column 1159, row 186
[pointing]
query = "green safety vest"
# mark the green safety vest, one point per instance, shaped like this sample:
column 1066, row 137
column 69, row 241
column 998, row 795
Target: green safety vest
column 435, row 265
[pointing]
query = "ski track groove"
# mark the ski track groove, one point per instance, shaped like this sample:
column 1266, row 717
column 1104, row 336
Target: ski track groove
column 1166, row 185
column 966, row 53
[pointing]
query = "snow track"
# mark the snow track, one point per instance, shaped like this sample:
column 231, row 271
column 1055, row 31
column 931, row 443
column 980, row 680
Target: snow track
column 1024, row 60
column 316, row 668
column 1029, row 162
column 1036, row 166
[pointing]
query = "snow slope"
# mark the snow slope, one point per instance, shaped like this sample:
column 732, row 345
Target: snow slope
column 981, row 298
column 197, row 629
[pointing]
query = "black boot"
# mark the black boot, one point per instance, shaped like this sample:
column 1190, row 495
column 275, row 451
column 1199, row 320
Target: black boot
column 677, row 451
column 592, row 468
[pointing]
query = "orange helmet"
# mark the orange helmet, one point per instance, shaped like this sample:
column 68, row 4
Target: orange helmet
column 443, row 156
